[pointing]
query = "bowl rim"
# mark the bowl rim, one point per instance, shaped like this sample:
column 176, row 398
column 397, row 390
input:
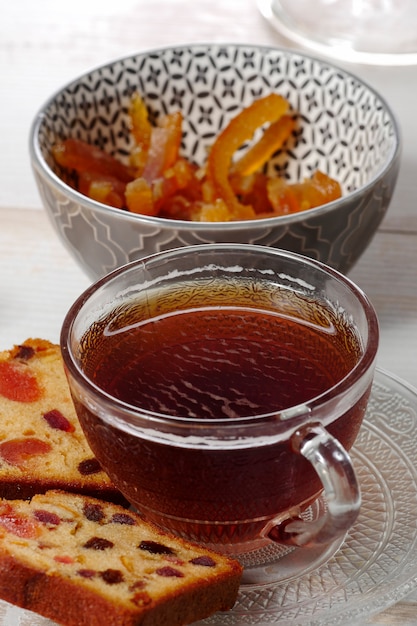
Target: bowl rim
column 41, row 166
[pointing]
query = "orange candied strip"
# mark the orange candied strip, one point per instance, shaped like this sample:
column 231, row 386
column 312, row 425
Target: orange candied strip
column 141, row 126
column 141, row 132
column 272, row 140
column 240, row 129
column 164, row 146
column 74, row 154
column 156, row 147
column 163, row 172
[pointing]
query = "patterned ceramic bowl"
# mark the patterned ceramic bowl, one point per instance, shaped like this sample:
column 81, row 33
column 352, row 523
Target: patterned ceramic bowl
column 347, row 130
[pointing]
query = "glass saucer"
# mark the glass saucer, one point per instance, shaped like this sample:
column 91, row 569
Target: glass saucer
column 375, row 32
column 373, row 568
column 376, row 565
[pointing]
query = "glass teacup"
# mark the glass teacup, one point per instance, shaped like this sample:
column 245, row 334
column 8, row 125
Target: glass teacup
column 221, row 387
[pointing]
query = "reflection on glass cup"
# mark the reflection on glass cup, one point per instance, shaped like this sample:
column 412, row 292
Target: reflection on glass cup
column 220, row 386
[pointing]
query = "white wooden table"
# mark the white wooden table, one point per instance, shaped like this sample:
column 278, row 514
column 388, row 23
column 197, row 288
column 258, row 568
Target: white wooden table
column 46, row 43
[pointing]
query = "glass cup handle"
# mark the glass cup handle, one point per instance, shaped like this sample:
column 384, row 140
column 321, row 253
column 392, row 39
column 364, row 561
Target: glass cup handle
column 341, row 490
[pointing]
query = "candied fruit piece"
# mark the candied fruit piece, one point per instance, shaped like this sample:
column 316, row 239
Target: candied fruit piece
column 24, row 352
column 81, row 156
column 141, row 598
column 138, row 584
column 155, row 548
column 123, row 518
column 18, row 451
column 216, row 211
column 239, row 130
column 141, row 131
column 47, row 517
column 18, row 383
column 169, row 572
column 98, row 543
column 139, row 197
column 112, row 576
column 64, row 558
column 165, row 142
column 174, row 559
column 58, row 421
column 103, row 188
column 272, row 140
column 312, row 192
column 93, row 512
column 19, row 525
column 87, row 573
column 204, row 560
column 89, row 466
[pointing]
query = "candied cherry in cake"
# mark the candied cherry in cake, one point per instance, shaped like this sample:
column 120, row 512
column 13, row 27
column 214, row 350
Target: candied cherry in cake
column 58, row 421
column 65, row 559
column 18, row 383
column 17, row 524
column 47, row 517
column 19, row 451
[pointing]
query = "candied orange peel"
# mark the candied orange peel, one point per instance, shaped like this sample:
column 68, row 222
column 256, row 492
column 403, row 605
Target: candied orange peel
column 160, row 182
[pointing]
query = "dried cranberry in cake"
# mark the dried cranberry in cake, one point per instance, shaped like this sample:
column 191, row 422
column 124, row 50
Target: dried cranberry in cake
column 19, row 451
column 205, row 561
column 18, row 383
column 122, row 518
column 89, row 466
column 112, row 576
column 24, row 352
column 93, row 512
column 98, row 543
column 47, row 517
column 30, row 348
column 58, row 421
column 169, row 571
column 155, row 548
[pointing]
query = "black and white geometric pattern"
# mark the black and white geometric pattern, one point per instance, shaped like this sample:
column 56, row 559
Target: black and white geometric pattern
column 345, row 129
